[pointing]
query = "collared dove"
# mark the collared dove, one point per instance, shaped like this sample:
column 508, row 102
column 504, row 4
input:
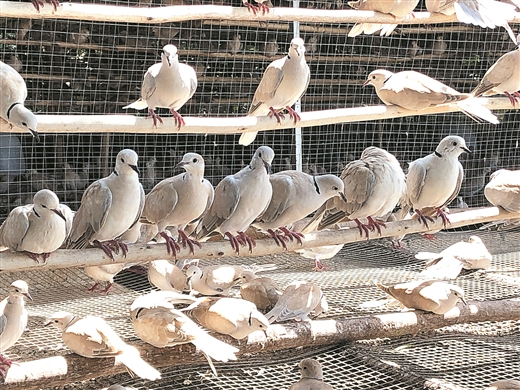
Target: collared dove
column 13, row 320
column 234, row 45
column 109, row 207
column 320, row 253
column 397, row 8
column 483, row 13
column 284, row 82
column 239, row 200
column 416, row 91
column 502, row 77
column 434, row 181
column 214, row 279
column 415, row 50
column 298, row 300
column 439, row 46
column 271, row 47
column 374, row 184
column 262, row 291
column 295, row 196
column 503, row 190
column 179, row 200
column 232, row 316
column 157, row 322
column 105, row 274
column 92, row 337
column 312, row 376
column 427, row 295
column 39, row 228
column 505, row 384
column 13, row 93
column 263, row 5
column 166, row 276
column 169, row 84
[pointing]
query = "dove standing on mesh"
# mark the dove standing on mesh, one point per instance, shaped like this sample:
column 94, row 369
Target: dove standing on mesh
column 105, row 274
column 263, row 5
column 109, row 207
column 434, row 181
column 13, row 320
column 374, row 184
column 13, row 93
column 503, row 190
column 416, row 91
column 397, row 8
column 319, row 253
column 157, row 322
column 284, row 82
column 39, row 228
column 312, row 376
column 92, row 337
column 430, row 295
column 239, row 200
column 262, row 291
column 169, row 84
column 179, row 200
column 166, row 276
column 295, row 196
column 502, row 77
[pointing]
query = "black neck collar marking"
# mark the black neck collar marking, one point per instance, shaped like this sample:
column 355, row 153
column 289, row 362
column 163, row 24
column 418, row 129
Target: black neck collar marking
column 10, row 108
column 316, row 187
column 438, row 154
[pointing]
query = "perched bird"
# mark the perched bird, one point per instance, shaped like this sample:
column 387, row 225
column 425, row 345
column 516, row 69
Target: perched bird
column 263, row 5
column 295, row 196
column 109, row 207
column 312, row 377
column 262, row 291
column 374, row 185
column 311, row 46
column 503, row 190
column 178, row 201
column 39, row 228
column 39, row 3
column 298, row 300
column 214, row 279
column 439, row 46
column 416, row 91
column 502, row 77
column 169, row 84
column 271, row 47
column 166, row 276
column 505, row 384
column 157, row 322
column 150, row 173
column 12, row 97
column 320, row 253
column 13, row 320
column 92, row 337
column 415, row 50
column 234, row 45
column 239, row 200
column 232, row 316
column 284, row 82
column 428, row 295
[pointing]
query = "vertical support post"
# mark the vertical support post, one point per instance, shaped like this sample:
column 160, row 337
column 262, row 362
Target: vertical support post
column 297, row 106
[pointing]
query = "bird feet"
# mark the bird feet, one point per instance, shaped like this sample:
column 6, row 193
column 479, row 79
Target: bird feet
column 5, row 364
column 264, row 8
column 104, row 291
column 319, row 267
column 375, row 224
column 293, row 114
column 185, row 240
column 155, row 117
column 278, row 115
column 240, row 239
column 281, row 240
column 444, row 217
column 290, row 234
column 513, row 97
column 424, row 218
column 39, row 3
column 363, row 228
column 252, row 8
column 33, row 256
column 278, row 238
column 111, row 247
column 179, row 120
column 171, row 245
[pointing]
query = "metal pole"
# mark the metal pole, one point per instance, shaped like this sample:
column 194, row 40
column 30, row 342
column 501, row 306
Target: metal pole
column 297, row 106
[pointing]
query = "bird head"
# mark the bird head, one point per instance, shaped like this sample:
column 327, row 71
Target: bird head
column 263, row 156
column 60, row 319
column 23, row 118
column 330, row 186
column 296, row 48
column 377, row 78
column 311, row 368
column 20, row 288
column 169, row 54
column 126, row 162
column 193, row 163
column 452, row 145
column 45, row 201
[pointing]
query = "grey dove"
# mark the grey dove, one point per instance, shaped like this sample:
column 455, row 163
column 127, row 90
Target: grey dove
column 284, row 82
column 505, row 384
column 439, row 46
column 157, row 322
column 502, row 78
column 262, row 291
column 178, row 201
column 92, row 337
column 166, row 276
column 298, row 300
column 13, row 93
column 232, row 316
column 295, row 196
column 312, row 376
column 416, row 91
column 427, row 295
column 374, row 185
column 239, row 200
column 13, row 320
column 263, row 6
column 169, row 84
column 319, row 253
column 503, row 190
column 39, row 228
column 109, row 207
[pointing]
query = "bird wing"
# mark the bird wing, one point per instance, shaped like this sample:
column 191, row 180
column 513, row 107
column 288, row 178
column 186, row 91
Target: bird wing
column 283, row 192
column 268, row 85
column 149, row 85
column 15, row 227
column 160, row 201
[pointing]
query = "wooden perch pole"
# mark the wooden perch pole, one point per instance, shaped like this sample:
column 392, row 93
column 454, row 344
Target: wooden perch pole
column 65, row 258
column 133, row 124
column 56, row 371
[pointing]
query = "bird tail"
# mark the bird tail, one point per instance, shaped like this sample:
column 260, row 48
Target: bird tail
column 214, row 348
column 476, row 111
column 247, row 138
column 272, row 316
column 427, row 256
column 137, row 105
column 314, row 223
column 136, row 365
column 370, row 28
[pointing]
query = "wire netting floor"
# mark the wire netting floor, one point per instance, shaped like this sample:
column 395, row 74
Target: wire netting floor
column 468, row 356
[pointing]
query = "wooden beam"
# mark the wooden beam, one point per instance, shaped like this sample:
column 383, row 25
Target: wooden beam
column 64, row 258
column 59, row 370
column 233, row 125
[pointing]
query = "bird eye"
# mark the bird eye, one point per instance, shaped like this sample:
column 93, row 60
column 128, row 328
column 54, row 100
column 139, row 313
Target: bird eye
column 454, row 143
column 195, row 160
column 25, row 124
column 260, row 154
column 44, row 206
column 17, row 290
column 335, row 188
column 123, row 160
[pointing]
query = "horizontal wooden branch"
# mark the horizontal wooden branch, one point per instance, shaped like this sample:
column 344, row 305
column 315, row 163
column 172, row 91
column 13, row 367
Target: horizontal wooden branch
column 55, row 371
column 233, row 125
column 64, row 258
column 112, row 13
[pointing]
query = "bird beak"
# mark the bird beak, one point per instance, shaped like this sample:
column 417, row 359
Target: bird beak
column 181, row 164
column 366, row 83
column 267, row 166
column 59, row 213
column 464, row 301
column 343, row 196
column 28, row 295
column 47, row 323
column 35, row 135
column 466, row 150
column 134, row 167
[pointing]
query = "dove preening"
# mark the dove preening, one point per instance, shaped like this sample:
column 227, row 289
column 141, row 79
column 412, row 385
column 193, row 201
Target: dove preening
column 284, row 82
column 179, row 200
column 503, row 190
column 13, row 320
column 295, row 196
column 92, row 337
column 169, row 84
column 416, row 91
column 13, row 92
column 109, row 207
column 262, row 291
column 239, row 200
column 214, row 279
column 166, row 276
column 312, row 376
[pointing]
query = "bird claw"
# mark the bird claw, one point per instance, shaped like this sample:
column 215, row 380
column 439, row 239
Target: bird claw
column 362, row 228
column 252, row 8
column 278, row 115
column 112, row 246
column 375, row 224
column 234, row 242
column 185, row 240
column 278, row 238
column 424, row 218
column 33, row 256
column 171, row 245
column 319, row 267
column 513, row 97
column 292, row 235
column 251, row 243
column 264, row 8
column 155, row 117
column 179, row 120
column 293, row 115
column 444, row 217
